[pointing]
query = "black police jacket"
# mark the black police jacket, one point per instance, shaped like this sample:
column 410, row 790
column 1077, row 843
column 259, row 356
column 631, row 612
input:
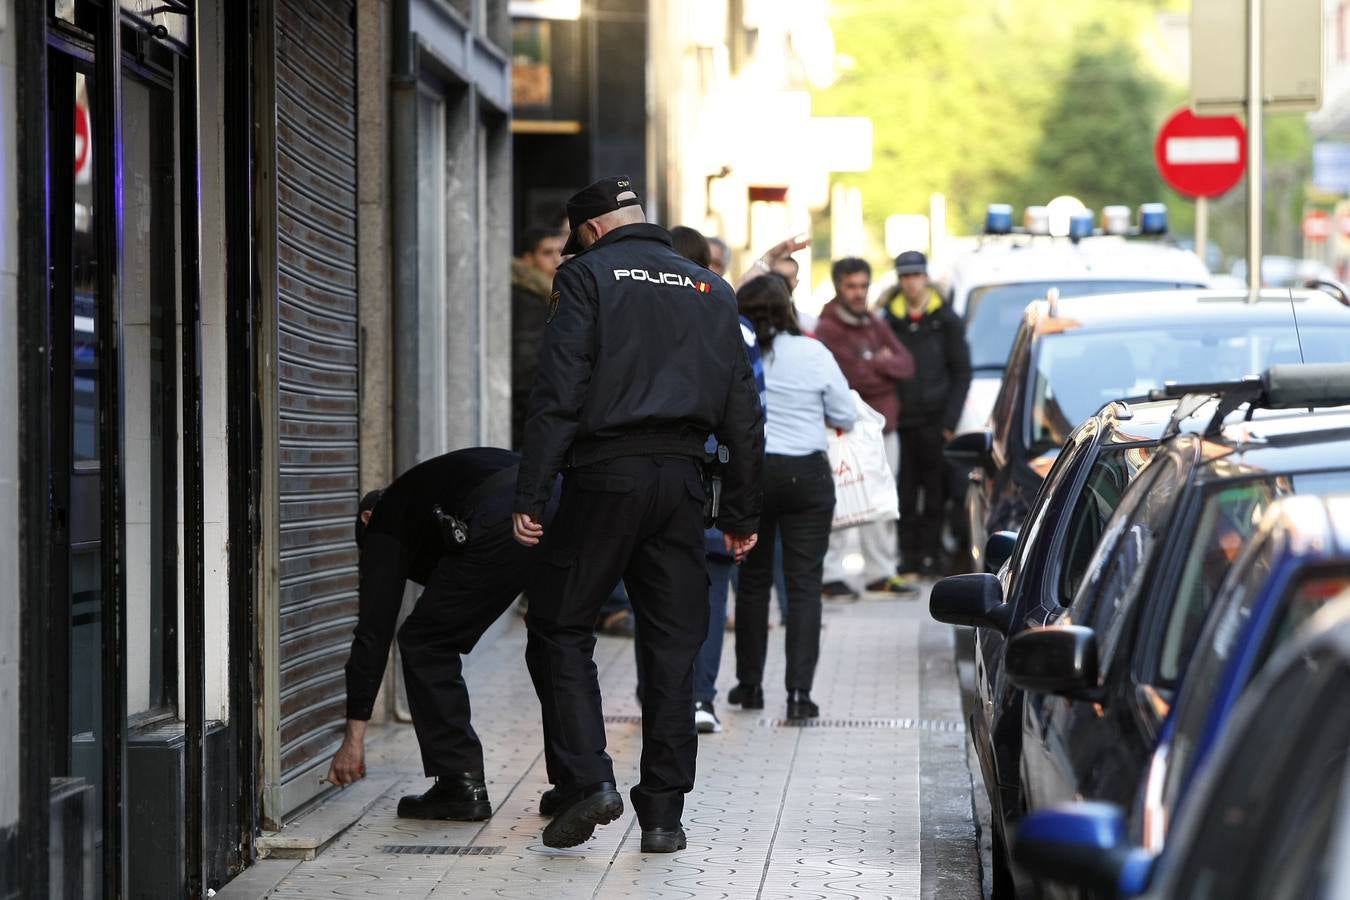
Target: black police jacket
column 643, row 354
column 937, row 341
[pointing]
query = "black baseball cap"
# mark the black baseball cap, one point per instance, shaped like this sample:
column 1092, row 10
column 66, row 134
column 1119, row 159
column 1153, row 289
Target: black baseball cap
column 604, row 196
column 911, row 262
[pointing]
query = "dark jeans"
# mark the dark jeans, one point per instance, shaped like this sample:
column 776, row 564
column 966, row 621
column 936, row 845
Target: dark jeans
column 923, row 491
column 709, row 661
column 465, row 594
column 799, row 505
column 638, row 518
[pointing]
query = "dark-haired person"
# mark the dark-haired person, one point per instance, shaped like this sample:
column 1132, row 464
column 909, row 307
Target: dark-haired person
column 804, row 392
column 692, row 245
column 532, row 271
column 405, row 533
column 875, row 364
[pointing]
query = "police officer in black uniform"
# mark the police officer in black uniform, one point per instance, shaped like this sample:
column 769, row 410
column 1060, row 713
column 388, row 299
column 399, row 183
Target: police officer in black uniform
column 445, row 524
column 642, row 360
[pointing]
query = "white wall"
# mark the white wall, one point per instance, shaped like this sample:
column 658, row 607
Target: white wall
column 9, row 437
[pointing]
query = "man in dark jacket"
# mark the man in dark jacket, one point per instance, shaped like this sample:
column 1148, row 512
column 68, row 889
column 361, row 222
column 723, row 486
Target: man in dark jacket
column 531, row 283
column 412, row 531
column 876, row 364
column 930, row 407
column 643, row 359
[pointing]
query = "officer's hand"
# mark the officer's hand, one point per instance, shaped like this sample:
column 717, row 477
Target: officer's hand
column 349, row 764
column 527, row 529
column 948, row 434
column 740, row 545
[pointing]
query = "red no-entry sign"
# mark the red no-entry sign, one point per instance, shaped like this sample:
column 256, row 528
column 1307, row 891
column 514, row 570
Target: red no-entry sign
column 1201, row 156
column 1317, row 225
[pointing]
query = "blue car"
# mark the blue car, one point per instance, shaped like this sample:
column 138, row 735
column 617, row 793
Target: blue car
column 1268, row 813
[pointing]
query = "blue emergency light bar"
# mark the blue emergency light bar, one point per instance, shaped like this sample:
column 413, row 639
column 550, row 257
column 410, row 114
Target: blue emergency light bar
column 998, row 220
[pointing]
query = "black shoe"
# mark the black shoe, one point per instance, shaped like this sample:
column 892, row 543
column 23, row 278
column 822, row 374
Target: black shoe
column 837, row 590
column 550, row 800
column 747, row 696
column 663, row 840
column 462, row 798
column 893, row 585
column 575, row 823
column 800, row 706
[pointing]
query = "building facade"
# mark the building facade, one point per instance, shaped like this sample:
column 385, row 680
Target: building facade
column 226, row 311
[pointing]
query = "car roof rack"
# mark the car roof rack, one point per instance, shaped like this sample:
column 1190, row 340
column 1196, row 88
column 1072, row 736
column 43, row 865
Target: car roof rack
column 1292, row 386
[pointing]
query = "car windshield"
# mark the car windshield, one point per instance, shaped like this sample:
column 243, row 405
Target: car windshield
column 1078, row 372
column 994, row 311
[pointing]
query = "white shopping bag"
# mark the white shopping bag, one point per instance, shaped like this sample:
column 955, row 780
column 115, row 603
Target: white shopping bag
column 864, row 485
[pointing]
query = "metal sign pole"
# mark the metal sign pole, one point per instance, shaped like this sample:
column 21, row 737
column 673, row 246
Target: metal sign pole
column 1255, row 145
column 1202, row 229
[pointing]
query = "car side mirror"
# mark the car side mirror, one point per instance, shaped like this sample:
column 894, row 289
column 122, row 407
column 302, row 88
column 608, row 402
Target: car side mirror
column 999, row 549
column 1056, row 659
column 973, row 600
column 1082, row 844
column 972, row 449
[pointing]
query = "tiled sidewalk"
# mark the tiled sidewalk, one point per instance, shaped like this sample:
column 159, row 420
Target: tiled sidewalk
column 779, row 812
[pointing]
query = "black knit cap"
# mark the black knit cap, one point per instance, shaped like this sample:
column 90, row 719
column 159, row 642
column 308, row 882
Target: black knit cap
column 592, row 201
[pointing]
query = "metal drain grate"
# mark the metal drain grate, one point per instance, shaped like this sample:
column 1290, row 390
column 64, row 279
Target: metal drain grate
column 623, row 720
column 441, row 850
column 899, row 724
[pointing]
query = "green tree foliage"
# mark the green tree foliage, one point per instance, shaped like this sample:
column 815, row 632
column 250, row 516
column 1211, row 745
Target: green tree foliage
column 1019, row 101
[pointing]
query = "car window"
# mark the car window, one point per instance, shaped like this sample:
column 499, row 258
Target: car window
column 1216, row 646
column 1258, row 842
column 1111, row 473
column 1135, row 549
column 1300, row 603
column 1078, row 372
column 1230, row 513
column 994, row 311
column 1005, row 406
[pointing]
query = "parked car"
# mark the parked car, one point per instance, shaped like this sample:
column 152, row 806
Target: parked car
column 1296, row 563
column 1101, row 679
column 1072, row 355
column 1039, row 571
column 992, row 285
column 1269, row 815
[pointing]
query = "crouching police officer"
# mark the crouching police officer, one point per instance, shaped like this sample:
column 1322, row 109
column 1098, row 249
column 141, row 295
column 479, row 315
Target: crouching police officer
column 642, row 359
column 445, row 524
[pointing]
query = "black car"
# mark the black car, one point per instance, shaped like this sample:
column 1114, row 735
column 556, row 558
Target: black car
column 1101, row 679
column 1074, row 354
column 1043, row 570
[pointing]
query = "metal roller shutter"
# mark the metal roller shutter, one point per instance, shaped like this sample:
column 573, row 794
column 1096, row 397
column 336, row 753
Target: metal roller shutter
column 317, row 370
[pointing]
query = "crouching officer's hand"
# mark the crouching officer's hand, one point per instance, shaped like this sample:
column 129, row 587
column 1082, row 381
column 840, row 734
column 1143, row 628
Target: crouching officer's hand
column 349, row 764
column 740, row 545
column 527, row 529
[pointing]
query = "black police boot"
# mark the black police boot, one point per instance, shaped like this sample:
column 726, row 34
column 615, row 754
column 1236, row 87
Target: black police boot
column 663, row 840
column 575, row 822
column 461, row 797
column 747, row 696
column 550, row 800
column 799, row 706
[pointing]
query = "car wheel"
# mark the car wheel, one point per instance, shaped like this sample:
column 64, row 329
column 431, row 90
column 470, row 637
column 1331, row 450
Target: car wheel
column 1004, row 888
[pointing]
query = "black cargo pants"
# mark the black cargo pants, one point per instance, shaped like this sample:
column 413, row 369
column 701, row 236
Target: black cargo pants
column 640, row 519
column 466, row 593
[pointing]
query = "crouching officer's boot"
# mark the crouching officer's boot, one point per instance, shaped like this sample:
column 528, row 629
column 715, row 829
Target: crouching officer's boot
column 461, row 797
